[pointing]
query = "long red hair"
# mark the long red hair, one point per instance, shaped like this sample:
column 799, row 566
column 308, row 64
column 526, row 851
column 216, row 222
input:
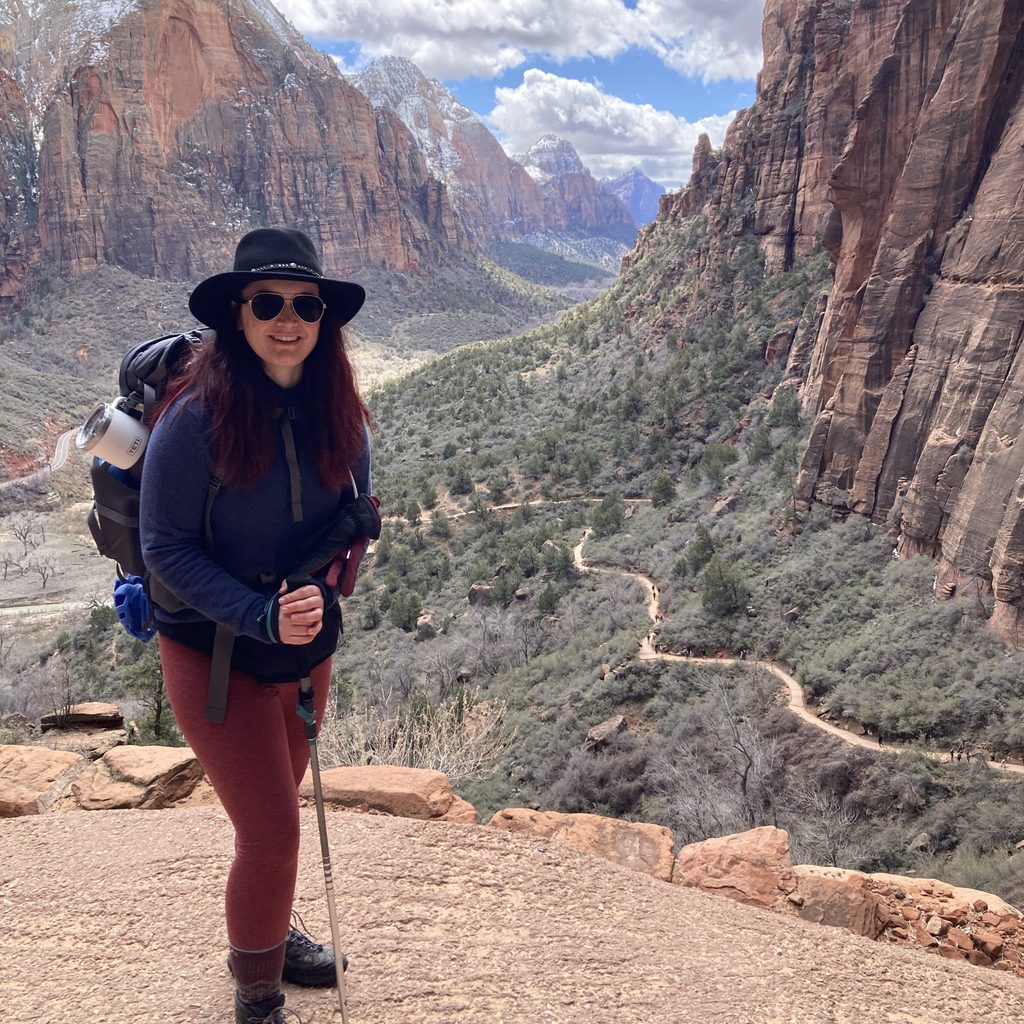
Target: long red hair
column 228, row 379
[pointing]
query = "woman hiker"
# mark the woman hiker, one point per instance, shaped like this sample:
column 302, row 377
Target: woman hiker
column 259, row 451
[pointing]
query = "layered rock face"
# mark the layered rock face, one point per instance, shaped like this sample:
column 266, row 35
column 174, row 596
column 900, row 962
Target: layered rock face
column 17, row 188
column 546, row 190
column 492, row 194
column 573, row 199
column 893, row 131
column 914, row 377
column 184, row 122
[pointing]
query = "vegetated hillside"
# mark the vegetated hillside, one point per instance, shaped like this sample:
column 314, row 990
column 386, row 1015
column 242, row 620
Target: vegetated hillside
column 670, row 437
column 685, row 442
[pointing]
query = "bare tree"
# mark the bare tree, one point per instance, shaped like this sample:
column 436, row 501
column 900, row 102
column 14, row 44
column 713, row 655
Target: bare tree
column 721, row 773
column 444, row 666
column 24, row 526
column 43, row 567
column 8, row 562
column 822, row 828
column 60, row 690
column 7, row 641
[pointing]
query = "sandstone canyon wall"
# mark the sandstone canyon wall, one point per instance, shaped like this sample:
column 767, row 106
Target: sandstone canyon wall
column 915, row 378
column 892, row 131
column 183, row 122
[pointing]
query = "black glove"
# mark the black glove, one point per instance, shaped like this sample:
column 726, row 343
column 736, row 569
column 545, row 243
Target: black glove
column 360, row 519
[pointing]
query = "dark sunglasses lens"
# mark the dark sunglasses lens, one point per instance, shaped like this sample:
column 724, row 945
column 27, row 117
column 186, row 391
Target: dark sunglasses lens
column 308, row 307
column 266, row 305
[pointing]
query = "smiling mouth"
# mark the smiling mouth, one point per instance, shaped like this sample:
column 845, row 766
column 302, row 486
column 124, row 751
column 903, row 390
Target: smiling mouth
column 285, row 339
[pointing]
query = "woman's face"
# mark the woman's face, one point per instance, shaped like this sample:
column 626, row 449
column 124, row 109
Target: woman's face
column 283, row 343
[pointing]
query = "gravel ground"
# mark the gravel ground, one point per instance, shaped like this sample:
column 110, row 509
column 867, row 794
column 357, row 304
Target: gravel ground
column 116, row 917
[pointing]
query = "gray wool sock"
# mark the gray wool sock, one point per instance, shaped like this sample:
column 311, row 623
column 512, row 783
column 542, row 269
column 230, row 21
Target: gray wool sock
column 257, row 973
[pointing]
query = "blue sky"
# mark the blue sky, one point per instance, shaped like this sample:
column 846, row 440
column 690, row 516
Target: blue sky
column 628, row 82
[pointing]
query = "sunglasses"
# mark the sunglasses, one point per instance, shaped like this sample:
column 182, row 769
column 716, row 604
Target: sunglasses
column 268, row 305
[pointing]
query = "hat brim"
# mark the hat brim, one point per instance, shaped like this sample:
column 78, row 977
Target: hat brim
column 210, row 301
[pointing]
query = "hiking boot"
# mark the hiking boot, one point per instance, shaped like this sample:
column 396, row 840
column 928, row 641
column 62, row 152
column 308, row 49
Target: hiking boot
column 306, row 961
column 266, row 1011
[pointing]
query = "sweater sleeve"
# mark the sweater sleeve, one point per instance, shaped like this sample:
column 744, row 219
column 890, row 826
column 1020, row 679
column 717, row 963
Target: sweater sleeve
column 178, row 471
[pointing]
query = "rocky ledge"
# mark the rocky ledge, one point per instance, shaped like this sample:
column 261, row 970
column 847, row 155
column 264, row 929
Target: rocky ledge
column 755, row 868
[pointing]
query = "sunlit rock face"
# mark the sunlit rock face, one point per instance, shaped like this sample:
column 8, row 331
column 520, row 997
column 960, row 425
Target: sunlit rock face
column 164, row 130
column 492, row 194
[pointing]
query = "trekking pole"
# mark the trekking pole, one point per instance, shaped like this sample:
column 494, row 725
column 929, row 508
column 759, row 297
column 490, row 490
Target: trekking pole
column 307, row 712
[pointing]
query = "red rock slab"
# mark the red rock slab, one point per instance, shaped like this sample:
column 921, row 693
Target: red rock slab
column 30, row 777
column 402, row 792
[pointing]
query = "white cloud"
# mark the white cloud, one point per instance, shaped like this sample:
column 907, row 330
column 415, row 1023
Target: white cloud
column 610, row 135
column 452, row 39
column 708, row 39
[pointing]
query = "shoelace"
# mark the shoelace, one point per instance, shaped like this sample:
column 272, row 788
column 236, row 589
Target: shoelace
column 298, row 935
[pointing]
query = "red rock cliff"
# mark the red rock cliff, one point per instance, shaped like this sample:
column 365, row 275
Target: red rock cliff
column 17, row 185
column 893, row 130
column 915, row 377
column 187, row 121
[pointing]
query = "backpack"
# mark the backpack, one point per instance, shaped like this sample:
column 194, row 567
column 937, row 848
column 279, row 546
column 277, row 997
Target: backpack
column 146, row 370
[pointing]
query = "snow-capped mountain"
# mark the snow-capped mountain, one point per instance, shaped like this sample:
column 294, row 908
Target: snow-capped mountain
column 549, row 157
column 640, row 194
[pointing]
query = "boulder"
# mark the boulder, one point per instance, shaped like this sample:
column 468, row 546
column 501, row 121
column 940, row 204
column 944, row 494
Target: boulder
column 461, row 811
column 922, row 935
column 386, row 789
column 425, row 629
column 91, row 715
column 637, row 846
column 92, row 744
column 480, row 595
column 147, row 777
column 835, row 902
column 990, row 943
column 31, row 778
column 604, row 731
column 753, row 867
column 17, row 722
column 921, row 841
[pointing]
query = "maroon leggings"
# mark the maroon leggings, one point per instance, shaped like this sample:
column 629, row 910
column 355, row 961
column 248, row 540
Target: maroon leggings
column 255, row 761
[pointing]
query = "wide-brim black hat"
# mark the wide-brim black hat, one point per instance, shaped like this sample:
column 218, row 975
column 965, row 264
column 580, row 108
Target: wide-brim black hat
column 266, row 254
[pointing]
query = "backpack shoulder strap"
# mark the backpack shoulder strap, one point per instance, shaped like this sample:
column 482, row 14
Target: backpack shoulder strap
column 212, row 490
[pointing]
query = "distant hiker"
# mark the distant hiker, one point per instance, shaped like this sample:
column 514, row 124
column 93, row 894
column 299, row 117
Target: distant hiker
column 880, row 737
column 959, row 755
column 270, row 416
column 951, row 754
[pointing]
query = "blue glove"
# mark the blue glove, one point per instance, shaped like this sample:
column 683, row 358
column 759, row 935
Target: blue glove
column 133, row 607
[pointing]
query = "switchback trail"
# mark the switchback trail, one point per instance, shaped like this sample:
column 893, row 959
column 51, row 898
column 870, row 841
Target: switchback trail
column 793, row 691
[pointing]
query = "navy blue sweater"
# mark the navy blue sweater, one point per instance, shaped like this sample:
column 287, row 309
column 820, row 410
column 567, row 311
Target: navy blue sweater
column 256, row 543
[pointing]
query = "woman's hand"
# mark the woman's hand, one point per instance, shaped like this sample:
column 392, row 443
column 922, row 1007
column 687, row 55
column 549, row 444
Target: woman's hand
column 301, row 614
